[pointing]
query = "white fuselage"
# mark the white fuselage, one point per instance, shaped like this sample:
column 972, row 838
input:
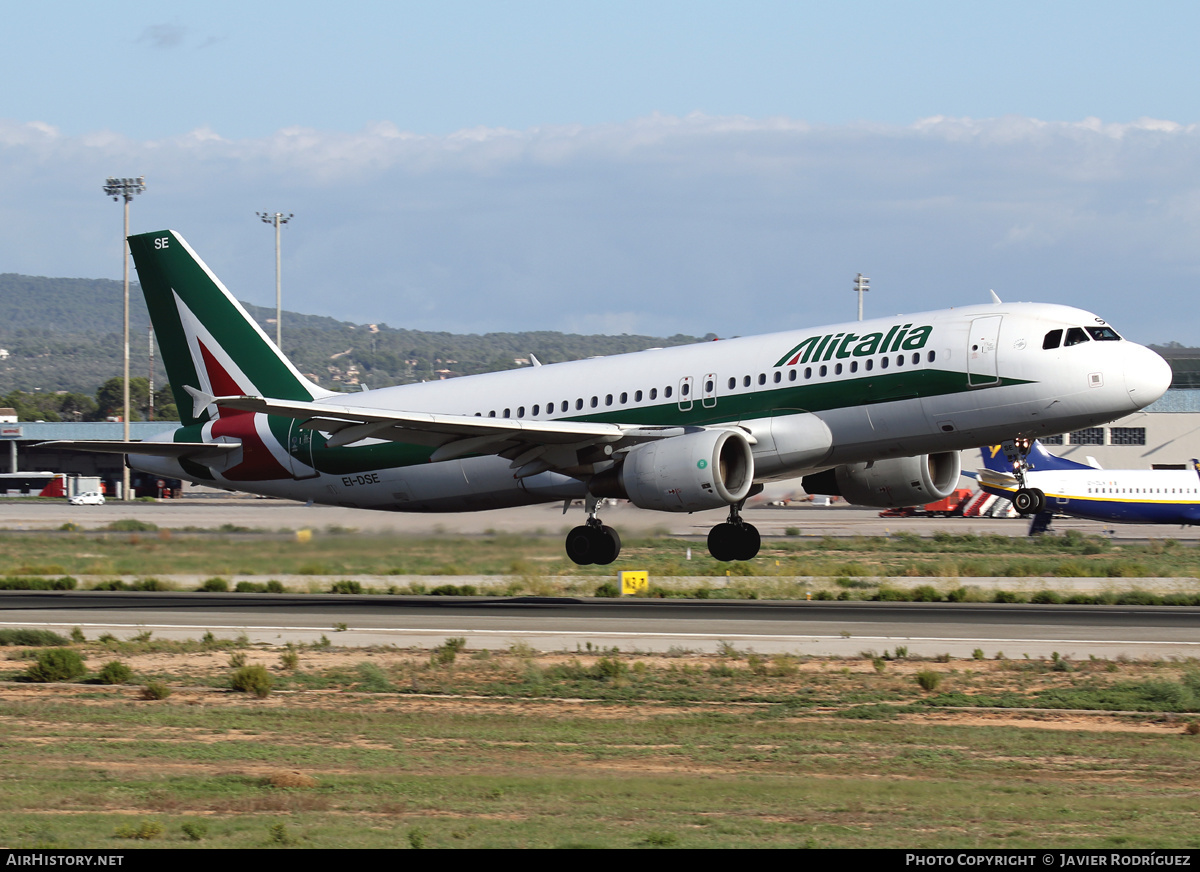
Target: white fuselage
column 872, row 390
column 1147, row 496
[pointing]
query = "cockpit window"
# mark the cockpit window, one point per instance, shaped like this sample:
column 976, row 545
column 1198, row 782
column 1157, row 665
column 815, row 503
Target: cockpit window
column 1075, row 336
column 1103, row 334
column 1053, row 339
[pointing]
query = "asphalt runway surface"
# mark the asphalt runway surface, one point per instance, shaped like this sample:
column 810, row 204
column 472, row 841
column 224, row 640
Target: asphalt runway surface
column 818, row 628
column 809, row 520
column 572, row 624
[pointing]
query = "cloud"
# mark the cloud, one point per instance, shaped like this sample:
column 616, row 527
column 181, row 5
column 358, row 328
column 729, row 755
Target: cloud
column 660, row 224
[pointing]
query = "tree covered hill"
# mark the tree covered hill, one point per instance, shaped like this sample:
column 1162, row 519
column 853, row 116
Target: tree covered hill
column 65, row 335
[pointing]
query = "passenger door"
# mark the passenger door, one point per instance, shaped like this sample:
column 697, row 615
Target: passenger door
column 982, row 343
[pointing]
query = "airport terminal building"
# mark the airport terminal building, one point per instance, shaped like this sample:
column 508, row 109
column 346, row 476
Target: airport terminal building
column 23, row 455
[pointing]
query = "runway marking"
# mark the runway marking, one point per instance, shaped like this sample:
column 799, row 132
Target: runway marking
column 599, row 634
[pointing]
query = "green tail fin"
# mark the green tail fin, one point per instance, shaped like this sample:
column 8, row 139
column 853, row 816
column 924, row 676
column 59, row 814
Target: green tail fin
column 208, row 341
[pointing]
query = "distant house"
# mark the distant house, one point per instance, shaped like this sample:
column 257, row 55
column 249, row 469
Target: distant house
column 8, row 416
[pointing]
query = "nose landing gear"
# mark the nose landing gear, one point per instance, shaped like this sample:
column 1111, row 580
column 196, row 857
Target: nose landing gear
column 1027, row 500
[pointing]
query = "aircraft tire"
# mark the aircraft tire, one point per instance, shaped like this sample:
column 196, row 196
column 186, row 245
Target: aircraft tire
column 723, row 542
column 1039, row 498
column 1024, row 501
column 607, row 545
column 581, row 546
column 1029, row 500
column 749, row 541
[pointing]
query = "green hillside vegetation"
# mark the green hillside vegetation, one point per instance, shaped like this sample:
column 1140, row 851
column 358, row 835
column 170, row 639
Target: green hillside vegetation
column 64, row 335
column 108, row 402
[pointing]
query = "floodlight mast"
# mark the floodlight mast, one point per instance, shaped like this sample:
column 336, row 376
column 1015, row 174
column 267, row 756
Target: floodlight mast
column 126, row 189
column 862, row 284
column 277, row 219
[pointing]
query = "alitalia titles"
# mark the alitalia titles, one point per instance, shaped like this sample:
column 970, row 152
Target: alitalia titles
column 838, row 346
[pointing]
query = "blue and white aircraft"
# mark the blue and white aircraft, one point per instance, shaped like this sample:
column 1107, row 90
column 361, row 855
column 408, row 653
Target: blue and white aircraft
column 1140, row 496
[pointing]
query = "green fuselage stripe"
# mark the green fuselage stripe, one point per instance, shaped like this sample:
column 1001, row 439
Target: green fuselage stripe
column 740, row 405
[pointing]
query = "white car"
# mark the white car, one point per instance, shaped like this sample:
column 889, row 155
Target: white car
column 89, row 498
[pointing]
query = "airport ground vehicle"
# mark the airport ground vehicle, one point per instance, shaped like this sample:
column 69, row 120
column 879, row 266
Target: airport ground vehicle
column 87, row 498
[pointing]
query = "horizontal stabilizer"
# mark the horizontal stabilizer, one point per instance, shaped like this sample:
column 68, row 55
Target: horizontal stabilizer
column 997, row 479
column 192, row 450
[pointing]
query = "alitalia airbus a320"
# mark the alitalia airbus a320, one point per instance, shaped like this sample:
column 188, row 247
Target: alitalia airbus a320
column 874, row 411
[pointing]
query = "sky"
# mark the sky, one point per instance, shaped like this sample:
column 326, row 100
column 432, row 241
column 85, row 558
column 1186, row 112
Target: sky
column 651, row 167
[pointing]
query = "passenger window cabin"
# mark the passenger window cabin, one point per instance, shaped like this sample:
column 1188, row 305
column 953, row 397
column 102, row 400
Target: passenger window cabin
column 1075, row 335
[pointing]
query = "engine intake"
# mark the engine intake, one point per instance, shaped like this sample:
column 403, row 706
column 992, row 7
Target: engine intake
column 705, row 470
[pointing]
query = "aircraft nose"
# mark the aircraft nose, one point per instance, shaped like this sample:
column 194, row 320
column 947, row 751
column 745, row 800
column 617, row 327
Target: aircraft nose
column 1147, row 375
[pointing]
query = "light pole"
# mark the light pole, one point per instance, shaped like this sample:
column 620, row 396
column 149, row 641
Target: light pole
column 125, row 189
column 278, row 219
column 150, row 379
column 862, row 284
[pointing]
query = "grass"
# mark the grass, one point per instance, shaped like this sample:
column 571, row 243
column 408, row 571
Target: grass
column 43, row 638
column 370, row 748
column 787, row 568
column 943, row 555
column 450, row 748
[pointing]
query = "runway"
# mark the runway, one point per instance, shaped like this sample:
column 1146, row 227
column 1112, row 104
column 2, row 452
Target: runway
column 569, row 625
column 818, row 628
column 799, row 519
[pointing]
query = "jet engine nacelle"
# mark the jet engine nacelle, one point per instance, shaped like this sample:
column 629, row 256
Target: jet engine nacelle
column 705, row 470
column 900, row 481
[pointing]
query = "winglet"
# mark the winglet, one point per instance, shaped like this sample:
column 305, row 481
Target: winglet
column 200, row 400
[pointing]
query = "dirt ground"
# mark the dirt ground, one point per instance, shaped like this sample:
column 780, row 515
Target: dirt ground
column 994, row 676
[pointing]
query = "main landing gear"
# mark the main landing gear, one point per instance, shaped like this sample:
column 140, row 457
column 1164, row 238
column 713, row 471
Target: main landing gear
column 1027, row 500
column 592, row 541
column 735, row 539
column 596, row 543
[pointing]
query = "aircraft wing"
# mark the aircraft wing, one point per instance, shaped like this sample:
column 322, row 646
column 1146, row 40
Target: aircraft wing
column 532, row 446
column 190, row 450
